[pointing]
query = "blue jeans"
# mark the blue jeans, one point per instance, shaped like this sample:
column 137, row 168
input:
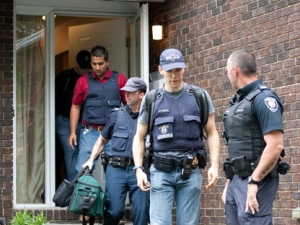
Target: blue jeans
column 88, row 137
column 119, row 181
column 236, row 197
column 167, row 186
column 62, row 129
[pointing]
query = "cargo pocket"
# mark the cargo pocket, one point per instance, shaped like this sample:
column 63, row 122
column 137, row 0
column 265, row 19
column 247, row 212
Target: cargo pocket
column 120, row 141
column 192, row 127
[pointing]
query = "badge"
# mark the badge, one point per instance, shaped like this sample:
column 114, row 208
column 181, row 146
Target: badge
column 271, row 103
column 165, row 132
column 163, row 129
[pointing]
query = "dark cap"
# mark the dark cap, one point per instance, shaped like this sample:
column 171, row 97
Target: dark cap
column 171, row 58
column 133, row 84
column 83, row 59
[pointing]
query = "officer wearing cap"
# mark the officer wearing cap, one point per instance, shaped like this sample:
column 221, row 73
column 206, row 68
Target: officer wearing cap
column 254, row 135
column 64, row 87
column 176, row 135
column 120, row 129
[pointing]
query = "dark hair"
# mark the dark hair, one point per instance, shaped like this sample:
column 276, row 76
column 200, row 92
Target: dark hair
column 142, row 91
column 245, row 60
column 99, row 51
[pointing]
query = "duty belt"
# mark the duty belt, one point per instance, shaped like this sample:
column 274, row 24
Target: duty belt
column 94, row 127
column 120, row 161
column 168, row 164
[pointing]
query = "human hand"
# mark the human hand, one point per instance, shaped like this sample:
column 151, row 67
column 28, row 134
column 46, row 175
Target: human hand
column 142, row 181
column 252, row 202
column 213, row 177
column 72, row 139
column 88, row 164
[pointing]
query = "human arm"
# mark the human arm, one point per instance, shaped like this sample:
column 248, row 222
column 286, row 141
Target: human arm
column 213, row 143
column 74, row 117
column 97, row 149
column 268, row 159
column 225, row 191
column 138, row 154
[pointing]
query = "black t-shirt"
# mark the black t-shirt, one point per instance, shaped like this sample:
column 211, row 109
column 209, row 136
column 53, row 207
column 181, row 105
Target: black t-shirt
column 64, row 87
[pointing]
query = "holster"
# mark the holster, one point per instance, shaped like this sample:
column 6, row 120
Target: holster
column 104, row 161
column 227, row 167
column 201, row 156
column 241, row 167
column 147, row 160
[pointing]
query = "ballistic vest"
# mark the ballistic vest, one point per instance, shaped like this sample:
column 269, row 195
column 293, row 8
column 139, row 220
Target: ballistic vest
column 244, row 135
column 176, row 123
column 101, row 99
column 122, row 138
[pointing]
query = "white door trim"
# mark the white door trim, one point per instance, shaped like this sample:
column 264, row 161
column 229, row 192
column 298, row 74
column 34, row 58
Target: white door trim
column 77, row 8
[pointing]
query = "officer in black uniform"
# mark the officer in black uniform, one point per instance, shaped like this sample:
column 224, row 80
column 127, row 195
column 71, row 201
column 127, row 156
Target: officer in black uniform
column 120, row 129
column 254, row 135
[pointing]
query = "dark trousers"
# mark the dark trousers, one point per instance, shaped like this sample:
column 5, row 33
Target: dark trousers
column 236, row 197
column 119, row 181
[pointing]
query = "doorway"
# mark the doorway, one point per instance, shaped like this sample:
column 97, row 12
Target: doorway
column 34, row 82
column 73, row 34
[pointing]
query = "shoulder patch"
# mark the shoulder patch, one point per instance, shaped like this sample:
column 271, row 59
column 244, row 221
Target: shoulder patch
column 271, row 103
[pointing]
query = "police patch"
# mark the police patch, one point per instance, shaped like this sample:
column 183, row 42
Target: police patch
column 271, row 103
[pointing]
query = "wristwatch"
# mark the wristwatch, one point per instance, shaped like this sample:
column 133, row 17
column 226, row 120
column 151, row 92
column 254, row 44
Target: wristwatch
column 251, row 181
column 137, row 167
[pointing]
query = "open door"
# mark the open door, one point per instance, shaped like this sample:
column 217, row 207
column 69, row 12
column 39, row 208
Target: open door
column 111, row 34
column 139, row 63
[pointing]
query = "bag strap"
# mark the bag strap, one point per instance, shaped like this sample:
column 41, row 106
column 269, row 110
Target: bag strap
column 79, row 175
column 150, row 101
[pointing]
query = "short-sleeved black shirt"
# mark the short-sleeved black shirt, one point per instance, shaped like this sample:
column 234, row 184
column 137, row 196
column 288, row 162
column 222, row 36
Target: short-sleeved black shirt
column 65, row 83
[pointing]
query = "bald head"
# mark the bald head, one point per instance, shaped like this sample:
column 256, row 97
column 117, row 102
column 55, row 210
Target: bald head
column 244, row 60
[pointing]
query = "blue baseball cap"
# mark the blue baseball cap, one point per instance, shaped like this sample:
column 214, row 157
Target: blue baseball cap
column 133, row 84
column 171, row 58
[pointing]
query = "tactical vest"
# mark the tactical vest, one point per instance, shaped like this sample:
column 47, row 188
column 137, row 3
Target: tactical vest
column 244, row 135
column 101, row 99
column 122, row 138
column 176, row 127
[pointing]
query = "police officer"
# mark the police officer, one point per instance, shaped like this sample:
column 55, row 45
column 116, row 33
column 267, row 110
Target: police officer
column 254, row 134
column 120, row 129
column 176, row 135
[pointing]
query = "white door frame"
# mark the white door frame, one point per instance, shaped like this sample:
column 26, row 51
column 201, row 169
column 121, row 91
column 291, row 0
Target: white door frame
column 142, row 17
column 90, row 8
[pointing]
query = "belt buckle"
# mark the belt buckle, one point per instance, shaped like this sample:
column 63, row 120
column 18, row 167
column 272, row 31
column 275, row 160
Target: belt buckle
column 100, row 128
column 129, row 162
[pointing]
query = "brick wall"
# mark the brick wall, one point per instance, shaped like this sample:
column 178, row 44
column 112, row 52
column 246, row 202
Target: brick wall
column 207, row 32
column 6, row 110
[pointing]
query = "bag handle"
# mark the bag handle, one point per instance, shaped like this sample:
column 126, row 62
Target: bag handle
column 79, row 175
